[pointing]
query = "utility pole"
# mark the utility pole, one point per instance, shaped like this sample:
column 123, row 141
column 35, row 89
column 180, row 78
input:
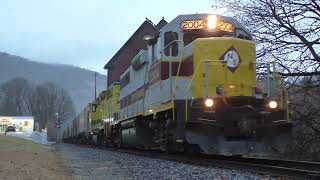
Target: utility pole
column 57, row 125
column 95, row 85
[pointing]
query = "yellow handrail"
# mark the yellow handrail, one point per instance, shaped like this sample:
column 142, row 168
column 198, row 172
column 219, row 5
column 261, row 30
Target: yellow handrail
column 189, row 85
column 174, row 85
column 284, row 90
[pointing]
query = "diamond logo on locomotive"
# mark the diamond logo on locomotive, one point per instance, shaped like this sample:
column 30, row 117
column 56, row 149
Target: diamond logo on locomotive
column 232, row 58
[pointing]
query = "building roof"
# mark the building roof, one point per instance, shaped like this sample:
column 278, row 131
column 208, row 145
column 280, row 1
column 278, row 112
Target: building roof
column 157, row 27
column 160, row 24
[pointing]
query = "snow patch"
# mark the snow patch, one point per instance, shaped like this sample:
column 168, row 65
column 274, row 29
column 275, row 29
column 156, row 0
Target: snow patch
column 37, row 137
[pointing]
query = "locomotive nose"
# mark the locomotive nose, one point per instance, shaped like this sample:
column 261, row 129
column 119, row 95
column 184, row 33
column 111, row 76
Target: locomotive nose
column 223, row 68
column 238, row 122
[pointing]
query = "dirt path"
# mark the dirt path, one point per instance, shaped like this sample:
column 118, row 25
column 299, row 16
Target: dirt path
column 23, row 159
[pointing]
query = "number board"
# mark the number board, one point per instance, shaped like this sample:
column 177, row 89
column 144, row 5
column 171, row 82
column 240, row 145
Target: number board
column 224, row 26
column 201, row 24
column 193, row 24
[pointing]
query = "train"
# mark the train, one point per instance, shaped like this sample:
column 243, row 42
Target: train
column 193, row 89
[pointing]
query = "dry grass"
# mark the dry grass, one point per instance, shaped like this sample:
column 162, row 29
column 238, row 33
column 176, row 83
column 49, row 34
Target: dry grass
column 23, row 159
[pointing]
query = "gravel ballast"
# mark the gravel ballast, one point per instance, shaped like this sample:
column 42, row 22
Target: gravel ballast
column 93, row 163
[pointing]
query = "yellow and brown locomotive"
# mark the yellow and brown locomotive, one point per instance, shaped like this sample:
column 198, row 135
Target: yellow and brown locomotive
column 195, row 89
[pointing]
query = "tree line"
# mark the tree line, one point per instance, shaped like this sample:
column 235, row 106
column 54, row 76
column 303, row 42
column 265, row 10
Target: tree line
column 46, row 102
column 287, row 32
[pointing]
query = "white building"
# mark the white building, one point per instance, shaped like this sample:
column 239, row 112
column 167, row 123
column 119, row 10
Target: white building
column 21, row 123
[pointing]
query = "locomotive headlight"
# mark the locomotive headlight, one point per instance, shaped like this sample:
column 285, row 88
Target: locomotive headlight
column 208, row 102
column 212, row 22
column 273, row 104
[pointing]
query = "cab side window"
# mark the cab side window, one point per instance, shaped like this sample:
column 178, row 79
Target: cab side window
column 153, row 52
column 125, row 80
column 171, row 48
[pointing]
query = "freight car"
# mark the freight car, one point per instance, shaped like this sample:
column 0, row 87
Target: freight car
column 76, row 131
column 93, row 124
column 195, row 89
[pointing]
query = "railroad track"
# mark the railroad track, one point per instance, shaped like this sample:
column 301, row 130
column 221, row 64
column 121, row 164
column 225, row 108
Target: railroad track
column 293, row 169
column 283, row 168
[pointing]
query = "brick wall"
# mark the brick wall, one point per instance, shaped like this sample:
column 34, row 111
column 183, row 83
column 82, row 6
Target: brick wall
column 123, row 60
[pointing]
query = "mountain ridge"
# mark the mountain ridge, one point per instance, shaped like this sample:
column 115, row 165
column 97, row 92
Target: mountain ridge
column 77, row 81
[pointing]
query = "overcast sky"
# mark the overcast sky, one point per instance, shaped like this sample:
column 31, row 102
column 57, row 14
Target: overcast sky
column 84, row 33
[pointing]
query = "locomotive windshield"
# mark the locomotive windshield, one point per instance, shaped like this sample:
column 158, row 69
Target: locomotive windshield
column 190, row 36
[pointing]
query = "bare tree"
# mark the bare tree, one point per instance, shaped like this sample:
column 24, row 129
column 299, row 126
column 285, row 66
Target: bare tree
column 287, row 32
column 306, row 112
column 14, row 97
column 46, row 102
column 53, row 101
column 53, row 104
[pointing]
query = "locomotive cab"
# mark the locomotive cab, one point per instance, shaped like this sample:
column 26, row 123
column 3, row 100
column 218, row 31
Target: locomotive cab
column 209, row 70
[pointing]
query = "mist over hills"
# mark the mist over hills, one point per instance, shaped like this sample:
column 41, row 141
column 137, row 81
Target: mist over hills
column 77, row 81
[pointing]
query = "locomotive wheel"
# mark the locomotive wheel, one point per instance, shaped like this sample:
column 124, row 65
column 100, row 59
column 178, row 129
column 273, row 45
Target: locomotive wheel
column 118, row 138
column 118, row 144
